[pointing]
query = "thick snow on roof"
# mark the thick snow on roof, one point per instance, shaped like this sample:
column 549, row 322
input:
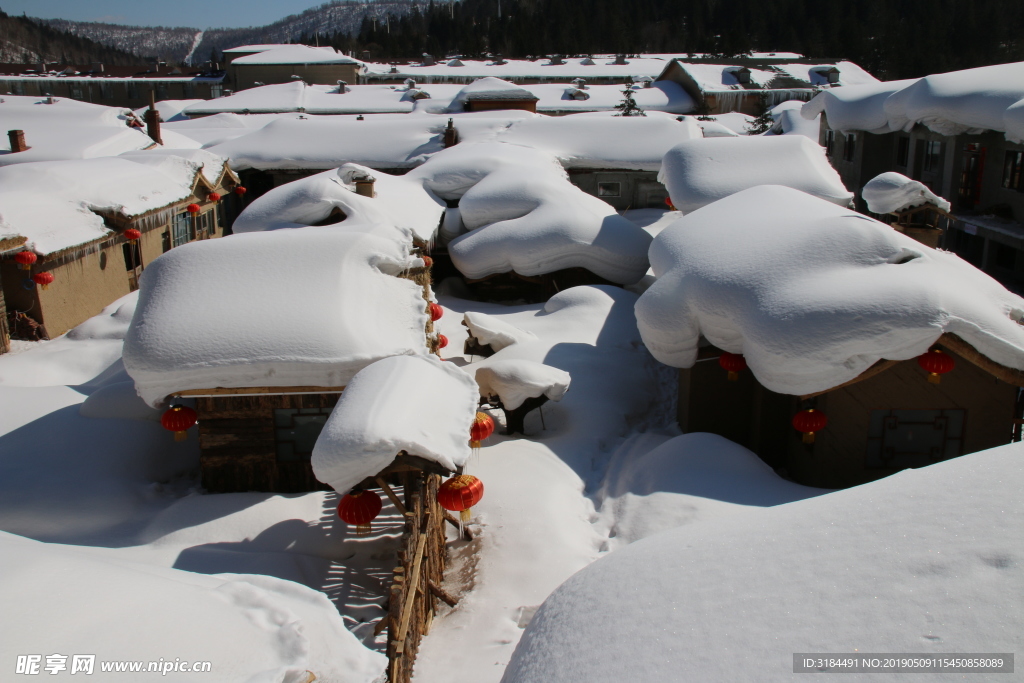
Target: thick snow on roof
column 815, row 74
column 180, row 164
column 66, row 129
column 601, row 140
column 402, row 208
column 602, row 66
column 921, row 561
column 250, row 627
column 790, row 121
column 295, row 54
column 515, row 380
column 891, row 192
column 169, row 110
column 491, row 331
column 57, row 204
column 666, row 96
column 329, row 304
column 813, row 294
column 716, row 77
column 490, row 88
column 213, row 130
column 699, row 172
column 434, row 403
column 714, row 129
column 524, row 215
column 859, row 107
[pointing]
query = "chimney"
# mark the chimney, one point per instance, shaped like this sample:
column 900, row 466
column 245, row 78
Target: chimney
column 17, row 138
column 97, row 67
column 620, row 60
column 153, row 119
column 342, row 87
column 364, row 185
column 451, row 136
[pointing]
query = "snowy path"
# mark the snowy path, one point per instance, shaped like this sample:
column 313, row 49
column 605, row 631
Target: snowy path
column 195, row 44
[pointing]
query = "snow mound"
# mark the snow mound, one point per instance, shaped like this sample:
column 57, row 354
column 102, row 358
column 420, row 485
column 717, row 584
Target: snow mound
column 490, row 88
column 699, row 172
column 926, row 560
column 401, row 207
column 493, row 331
column 790, row 121
column 328, row 305
column 714, row 129
column 855, row 107
column 891, row 192
column 813, row 294
column 419, row 405
column 524, row 215
column 248, row 627
column 514, row 381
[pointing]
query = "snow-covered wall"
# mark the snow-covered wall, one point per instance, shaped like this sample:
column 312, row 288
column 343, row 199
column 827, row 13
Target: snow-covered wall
column 813, row 294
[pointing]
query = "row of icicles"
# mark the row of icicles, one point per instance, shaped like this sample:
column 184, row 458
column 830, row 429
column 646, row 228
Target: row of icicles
column 808, row 422
column 459, row 493
column 26, row 259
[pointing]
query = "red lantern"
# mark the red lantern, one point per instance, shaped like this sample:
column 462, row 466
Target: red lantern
column 240, row 190
column 213, row 197
column 44, row 280
column 359, row 508
column 436, row 312
column 179, row 419
column 732, row 363
column 427, row 261
column 809, row 421
column 442, row 341
column 936, row 363
column 460, row 494
column 193, row 208
column 482, row 427
column 669, row 204
column 131, row 234
column 25, row 259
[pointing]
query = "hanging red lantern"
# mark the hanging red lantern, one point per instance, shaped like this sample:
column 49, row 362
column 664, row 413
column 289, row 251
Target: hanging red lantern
column 193, row 208
column 44, row 280
column 359, row 508
column 240, row 190
column 669, row 204
column 427, row 261
column 436, row 312
column 213, row 197
column 732, row 363
column 809, row 421
column 25, row 259
column 936, row 363
column 179, row 419
column 131, row 234
column 442, row 341
column 460, row 494
column 482, row 427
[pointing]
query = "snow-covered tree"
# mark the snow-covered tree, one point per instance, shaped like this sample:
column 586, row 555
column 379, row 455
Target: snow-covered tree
column 628, row 107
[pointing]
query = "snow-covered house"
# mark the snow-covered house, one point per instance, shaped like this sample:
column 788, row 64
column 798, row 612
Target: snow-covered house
column 298, row 313
column 75, row 217
column 748, row 85
column 905, row 354
column 491, row 94
column 913, row 209
column 284, row 63
column 958, row 133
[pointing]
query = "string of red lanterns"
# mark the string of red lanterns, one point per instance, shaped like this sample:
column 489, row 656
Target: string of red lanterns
column 25, row 259
column 213, row 197
column 436, row 312
column 442, row 341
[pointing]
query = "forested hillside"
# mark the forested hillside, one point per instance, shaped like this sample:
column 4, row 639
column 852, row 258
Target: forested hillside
column 23, row 40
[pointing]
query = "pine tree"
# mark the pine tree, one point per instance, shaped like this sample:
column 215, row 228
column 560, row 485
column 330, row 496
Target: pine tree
column 627, row 107
column 764, row 121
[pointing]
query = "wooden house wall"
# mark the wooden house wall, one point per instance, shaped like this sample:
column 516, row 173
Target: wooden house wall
column 746, row 413
column 247, row 75
column 495, row 105
column 238, row 445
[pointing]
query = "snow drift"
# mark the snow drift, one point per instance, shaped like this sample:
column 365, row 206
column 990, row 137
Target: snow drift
column 891, row 192
column 813, row 294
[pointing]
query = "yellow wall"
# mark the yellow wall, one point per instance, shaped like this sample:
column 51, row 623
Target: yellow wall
column 81, row 289
column 247, row 75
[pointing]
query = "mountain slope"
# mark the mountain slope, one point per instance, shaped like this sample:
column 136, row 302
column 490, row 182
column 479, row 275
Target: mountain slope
column 25, row 41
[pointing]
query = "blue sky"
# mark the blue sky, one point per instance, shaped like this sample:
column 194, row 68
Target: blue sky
column 198, row 13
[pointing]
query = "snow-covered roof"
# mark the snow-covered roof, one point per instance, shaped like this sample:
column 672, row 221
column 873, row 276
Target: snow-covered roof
column 253, row 48
column 66, row 129
column 514, row 380
column 969, row 101
column 789, row 121
column 491, row 331
column 169, row 110
column 295, row 54
column 718, row 77
column 57, row 204
column 523, row 215
column 891, row 192
column 602, row 66
column 329, row 305
column 402, row 209
column 813, row 294
column 181, row 164
column 600, row 140
column 699, row 172
column 218, row 128
column 434, row 401
column 491, row 88
column 920, row 561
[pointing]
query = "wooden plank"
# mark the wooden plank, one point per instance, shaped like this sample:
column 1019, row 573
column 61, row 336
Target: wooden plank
column 442, row 595
column 258, row 391
column 391, row 495
column 410, row 591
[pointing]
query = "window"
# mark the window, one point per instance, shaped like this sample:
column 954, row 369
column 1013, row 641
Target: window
column 132, row 90
column 76, row 92
column 1012, row 168
column 913, row 438
column 216, row 91
column 296, row 431
column 850, row 147
column 18, row 87
column 609, row 189
column 132, row 255
column 181, row 229
column 933, row 156
column 903, row 152
column 106, row 92
column 830, row 142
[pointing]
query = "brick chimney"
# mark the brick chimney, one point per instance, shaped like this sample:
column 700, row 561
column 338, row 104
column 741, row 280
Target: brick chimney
column 153, row 119
column 451, row 136
column 17, row 138
column 364, row 185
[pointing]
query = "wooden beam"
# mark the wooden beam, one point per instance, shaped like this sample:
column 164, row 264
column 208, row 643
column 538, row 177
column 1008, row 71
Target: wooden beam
column 258, row 391
column 455, row 523
column 411, row 584
column 391, row 495
column 878, row 368
column 442, row 594
column 971, row 354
